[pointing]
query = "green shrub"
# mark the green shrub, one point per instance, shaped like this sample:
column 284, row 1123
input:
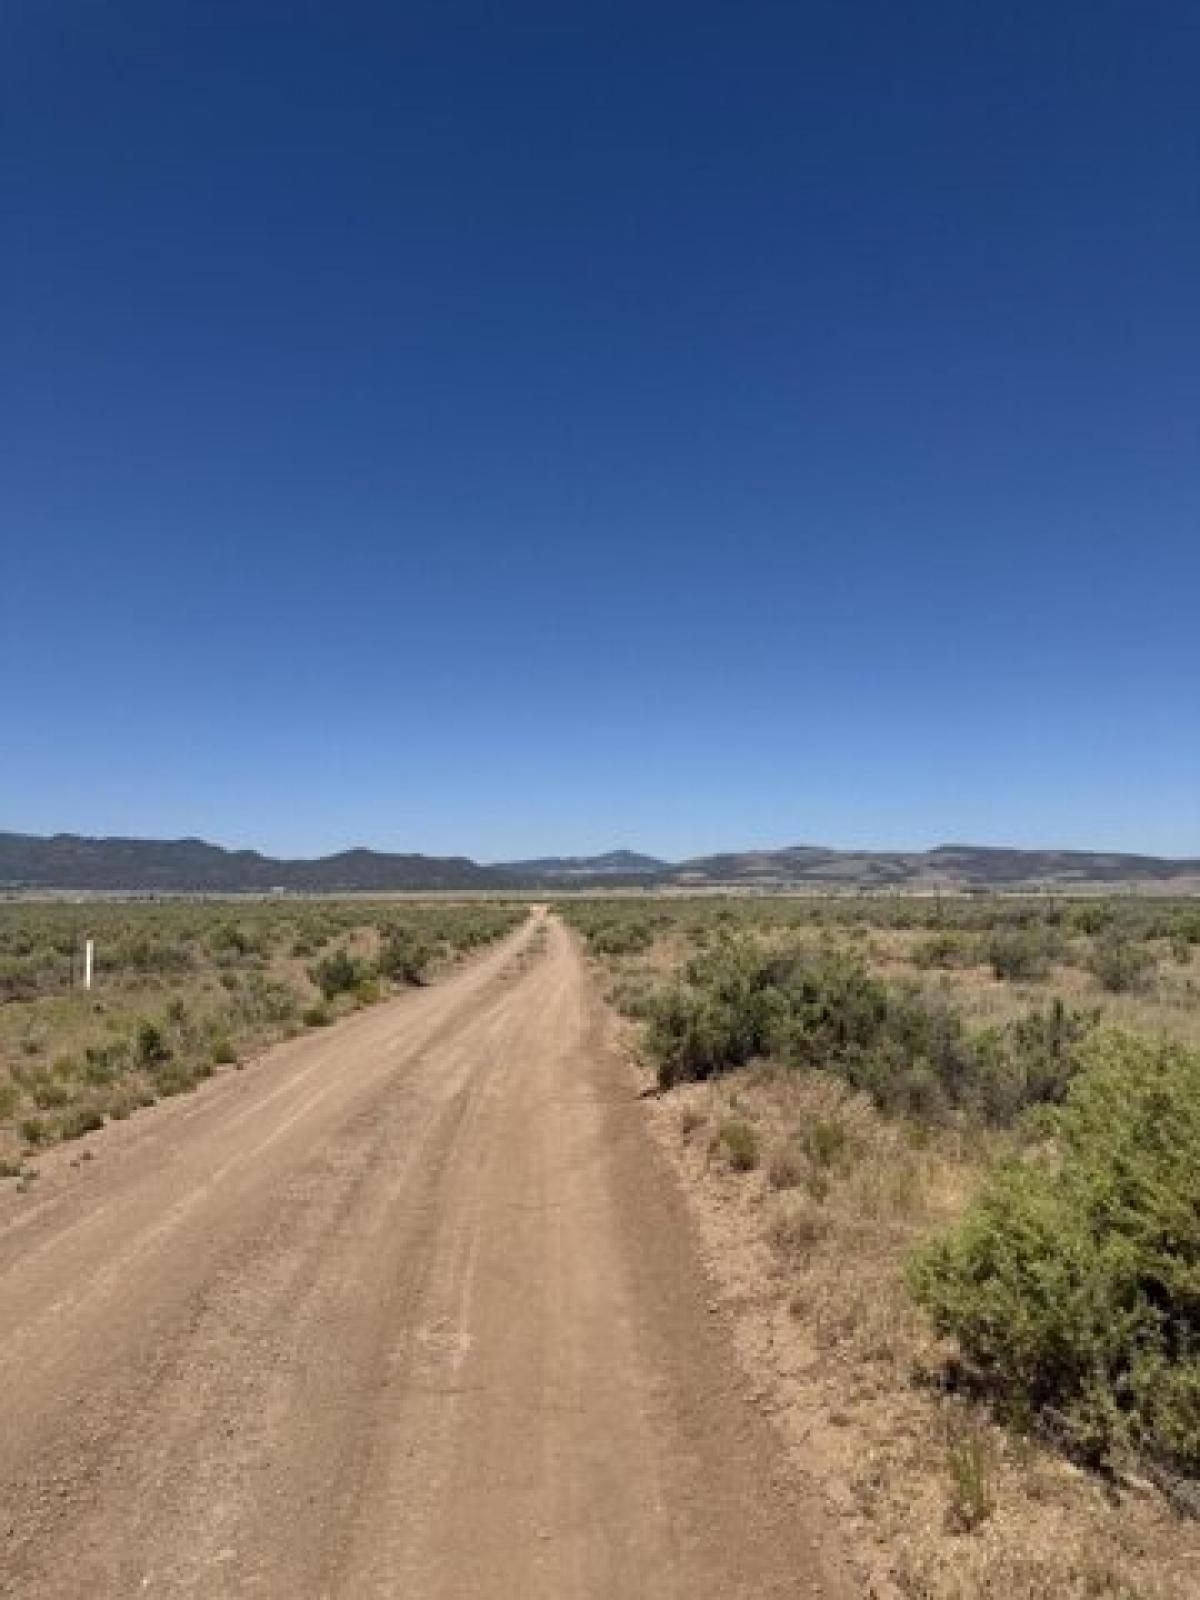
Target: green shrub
column 149, row 1044
column 316, row 1017
column 102, row 1063
column 822, row 1010
column 1073, row 1284
column 145, row 953
column 339, row 973
column 826, row 1142
column 634, row 995
column 264, row 1000
column 231, row 939
column 1092, row 918
column 737, row 1140
column 49, row 1096
column 727, row 1010
column 945, row 949
column 620, row 938
column 1119, row 964
column 1029, row 1061
column 403, row 956
column 1020, row 953
column 34, row 1131
column 79, row 1120
column 175, row 1077
column 222, row 1052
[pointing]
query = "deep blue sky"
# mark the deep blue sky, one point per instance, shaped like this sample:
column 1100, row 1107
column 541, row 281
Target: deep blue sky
column 526, row 426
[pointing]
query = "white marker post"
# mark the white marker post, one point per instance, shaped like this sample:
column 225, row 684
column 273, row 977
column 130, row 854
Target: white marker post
column 89, row 952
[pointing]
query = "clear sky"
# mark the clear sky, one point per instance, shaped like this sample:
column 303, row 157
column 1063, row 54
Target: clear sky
column 535, row 426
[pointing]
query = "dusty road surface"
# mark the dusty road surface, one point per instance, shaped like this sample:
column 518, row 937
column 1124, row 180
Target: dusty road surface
column 405, row 1309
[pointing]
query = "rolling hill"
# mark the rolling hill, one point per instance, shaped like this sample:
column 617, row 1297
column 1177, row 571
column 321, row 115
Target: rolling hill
column 614, row 864
column 71, row 862
column 946, row 866
column 68, row 861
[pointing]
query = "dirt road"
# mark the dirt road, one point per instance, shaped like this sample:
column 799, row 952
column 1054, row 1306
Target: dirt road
column 409, row 1308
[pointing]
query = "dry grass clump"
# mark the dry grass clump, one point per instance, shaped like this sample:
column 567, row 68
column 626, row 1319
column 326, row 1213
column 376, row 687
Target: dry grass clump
column 788, row 1166
column 797, row 1226
column 868, row 1195
column 736, row 1142
column 691, row 1119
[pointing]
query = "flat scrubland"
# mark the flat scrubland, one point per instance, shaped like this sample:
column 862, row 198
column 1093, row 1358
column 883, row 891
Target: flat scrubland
column 944, row 1156
column 183, row 989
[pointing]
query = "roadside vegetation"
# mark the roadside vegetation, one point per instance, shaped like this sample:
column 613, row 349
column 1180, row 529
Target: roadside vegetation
column 967, row 1133
column 184, row 988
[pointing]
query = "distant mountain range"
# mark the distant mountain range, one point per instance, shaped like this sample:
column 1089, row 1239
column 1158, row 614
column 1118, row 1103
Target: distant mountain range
column 70, row 862
column 67, row 861
column 616, row 864
column 947, row 866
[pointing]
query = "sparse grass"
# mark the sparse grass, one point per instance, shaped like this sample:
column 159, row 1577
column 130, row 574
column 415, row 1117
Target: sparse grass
column 796, row 1225
column 825, row 1141
column 969, row 1460
column 184, row 987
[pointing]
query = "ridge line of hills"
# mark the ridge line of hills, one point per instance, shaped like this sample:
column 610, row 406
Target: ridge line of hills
column 73, row 862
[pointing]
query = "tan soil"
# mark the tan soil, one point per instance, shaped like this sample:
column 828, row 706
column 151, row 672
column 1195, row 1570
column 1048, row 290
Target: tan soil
column 409, row 1308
